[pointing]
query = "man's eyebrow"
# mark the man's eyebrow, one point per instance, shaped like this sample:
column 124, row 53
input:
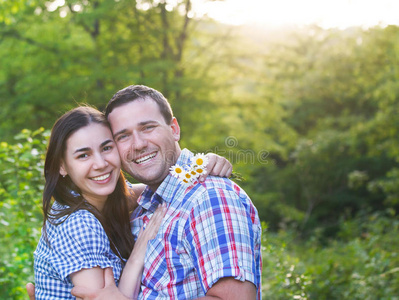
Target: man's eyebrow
column 140, row 124
column 119, row 132
column 147, row 122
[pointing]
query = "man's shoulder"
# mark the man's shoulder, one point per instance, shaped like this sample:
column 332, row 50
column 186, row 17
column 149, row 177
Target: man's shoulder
column 222, row 183
column 219, row 194
column 215, row 188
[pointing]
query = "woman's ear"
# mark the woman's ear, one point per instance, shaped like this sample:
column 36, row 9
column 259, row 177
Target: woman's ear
column 63, row 172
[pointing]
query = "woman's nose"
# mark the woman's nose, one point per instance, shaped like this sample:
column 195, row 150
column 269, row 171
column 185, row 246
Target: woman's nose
column 100, row 162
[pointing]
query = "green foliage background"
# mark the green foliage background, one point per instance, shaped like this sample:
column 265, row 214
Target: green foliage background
column 307, row 116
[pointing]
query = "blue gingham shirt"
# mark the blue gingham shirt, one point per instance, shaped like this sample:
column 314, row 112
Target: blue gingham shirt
column 78, row 243
column 211, row 230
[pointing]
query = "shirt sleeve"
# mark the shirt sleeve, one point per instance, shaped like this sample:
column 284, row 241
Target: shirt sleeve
column 81, row 243
column 223, row 238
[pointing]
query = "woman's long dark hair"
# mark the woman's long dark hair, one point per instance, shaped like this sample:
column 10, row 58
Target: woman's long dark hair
column 115, row 215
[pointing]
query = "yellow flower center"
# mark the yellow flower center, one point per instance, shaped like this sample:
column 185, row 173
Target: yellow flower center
column 199, row 161
column 178, row 170
column 188, row 175
column 199, row 171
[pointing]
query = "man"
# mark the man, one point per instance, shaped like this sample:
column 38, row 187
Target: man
column 209, row 243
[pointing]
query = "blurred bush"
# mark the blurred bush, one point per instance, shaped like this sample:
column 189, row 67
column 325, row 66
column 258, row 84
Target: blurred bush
column 21, row 186
column 362, row 263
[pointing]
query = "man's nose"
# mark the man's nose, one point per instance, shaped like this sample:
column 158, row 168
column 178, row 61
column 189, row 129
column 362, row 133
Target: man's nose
column 139, row 142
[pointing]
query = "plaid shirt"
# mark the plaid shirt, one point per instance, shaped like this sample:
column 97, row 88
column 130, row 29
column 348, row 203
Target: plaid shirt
column 211, row 230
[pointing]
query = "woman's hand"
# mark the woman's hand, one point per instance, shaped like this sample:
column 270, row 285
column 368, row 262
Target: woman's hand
column 217, row 166
column 30, row 288
column 130, row 280
column 149, row 233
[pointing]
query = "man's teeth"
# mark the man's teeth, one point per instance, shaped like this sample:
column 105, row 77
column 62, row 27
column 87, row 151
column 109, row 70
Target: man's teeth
column 145, row 158
column 103, row 177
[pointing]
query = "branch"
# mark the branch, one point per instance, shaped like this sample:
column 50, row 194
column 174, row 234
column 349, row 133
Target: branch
column 183, row 35
column 93, row 32
column 165, row 25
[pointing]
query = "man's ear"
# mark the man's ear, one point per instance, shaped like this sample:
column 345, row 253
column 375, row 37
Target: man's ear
column 175, row 129
column 63, row 172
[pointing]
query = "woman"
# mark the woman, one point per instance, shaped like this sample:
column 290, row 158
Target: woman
column 87, row 227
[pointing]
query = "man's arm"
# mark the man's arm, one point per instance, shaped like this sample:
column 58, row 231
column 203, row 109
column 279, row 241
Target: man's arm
column 225, row 288
column 110, row 290
column 229, row 288
column 217, row 166
column 227, row 239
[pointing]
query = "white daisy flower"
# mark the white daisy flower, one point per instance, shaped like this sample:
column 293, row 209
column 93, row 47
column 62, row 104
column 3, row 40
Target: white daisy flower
column 186, row 182
column 176, row 170
column 200, row 160
column 194, row 173
column 186, row 178
column 200, row 171
column 188, row 174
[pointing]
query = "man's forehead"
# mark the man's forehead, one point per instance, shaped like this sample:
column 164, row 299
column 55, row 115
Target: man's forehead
column 132, row 105
column 130, row 110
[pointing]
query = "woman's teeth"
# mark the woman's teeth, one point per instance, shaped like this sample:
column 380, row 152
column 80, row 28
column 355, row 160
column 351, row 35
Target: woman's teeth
column 103, row 177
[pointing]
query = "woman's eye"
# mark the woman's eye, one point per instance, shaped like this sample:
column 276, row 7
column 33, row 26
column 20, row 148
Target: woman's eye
column 83, row 155
column 107, row 148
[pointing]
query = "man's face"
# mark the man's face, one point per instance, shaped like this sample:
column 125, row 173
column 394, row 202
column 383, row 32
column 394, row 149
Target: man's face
column 148, row 146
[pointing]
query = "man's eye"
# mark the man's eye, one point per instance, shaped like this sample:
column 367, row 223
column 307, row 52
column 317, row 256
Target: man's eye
column 121, row 137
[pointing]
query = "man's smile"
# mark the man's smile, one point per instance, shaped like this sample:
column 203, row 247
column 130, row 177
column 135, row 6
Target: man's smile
column 145, row 158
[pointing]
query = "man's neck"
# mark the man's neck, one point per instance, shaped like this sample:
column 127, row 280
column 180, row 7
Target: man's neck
column 155, row 186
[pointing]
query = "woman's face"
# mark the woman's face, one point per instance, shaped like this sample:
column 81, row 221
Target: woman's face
column 92, row 162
